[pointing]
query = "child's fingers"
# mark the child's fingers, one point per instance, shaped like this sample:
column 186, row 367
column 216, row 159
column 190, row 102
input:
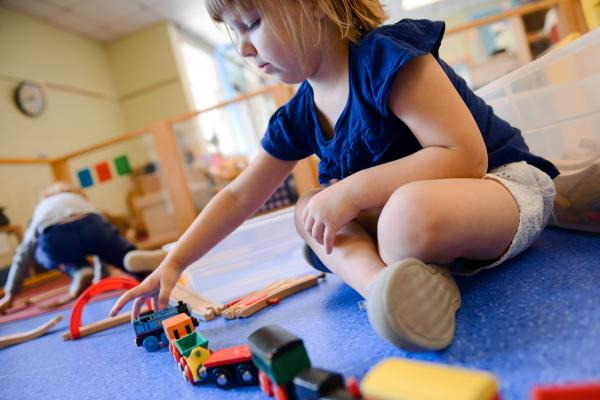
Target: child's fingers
column 310, row 222
column 328, row 239
column 154, row 301
column 304, row 214
column 136, row 307
column 125, row 297
column 317, row 232
column 165, row 293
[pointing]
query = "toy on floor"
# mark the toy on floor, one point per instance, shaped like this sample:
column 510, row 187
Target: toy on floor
column 247, row 305
column 396, row 378
column 102, row 325
column 205, row 309
column 148, row 327
column 17, row 338
column 104, row 285
column 285, row 370
column 581, row 391
column 229, row 367
column 225, row 368
column 272, row 294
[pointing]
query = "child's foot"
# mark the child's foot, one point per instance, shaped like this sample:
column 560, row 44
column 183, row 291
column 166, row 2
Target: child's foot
column 314, row 261
column 81, row 279
column 100, row 269
column 143, row 260
column 413, row 304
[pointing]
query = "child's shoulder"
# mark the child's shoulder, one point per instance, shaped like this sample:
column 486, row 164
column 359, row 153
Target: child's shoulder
column 421, row 35
column 297, row 103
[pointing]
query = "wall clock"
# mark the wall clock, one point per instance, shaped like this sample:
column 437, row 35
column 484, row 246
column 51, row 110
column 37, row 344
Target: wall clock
column 30, row 98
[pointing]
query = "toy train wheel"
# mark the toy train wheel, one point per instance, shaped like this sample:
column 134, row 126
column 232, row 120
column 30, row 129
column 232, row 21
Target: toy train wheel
column 203, row 375
column 246, row 374
column 151, row 343
column 221, row 378
column 182, row 363
column 265, row 383
column 164, row 339
column 279, row 393
column 188, row 374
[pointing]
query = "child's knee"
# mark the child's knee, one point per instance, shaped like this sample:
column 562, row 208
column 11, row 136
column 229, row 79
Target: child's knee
column 410, row 225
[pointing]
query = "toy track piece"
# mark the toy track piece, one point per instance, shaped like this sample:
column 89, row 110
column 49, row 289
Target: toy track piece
column 17, row 338
column 105, row 285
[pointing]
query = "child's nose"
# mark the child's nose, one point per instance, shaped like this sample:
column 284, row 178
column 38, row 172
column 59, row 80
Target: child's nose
column 247, row 49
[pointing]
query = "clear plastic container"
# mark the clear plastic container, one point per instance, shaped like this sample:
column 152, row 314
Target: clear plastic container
column 555, row 101
column 262, row 250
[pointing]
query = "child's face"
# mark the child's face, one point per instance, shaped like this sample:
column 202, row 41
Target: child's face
column 268, row 51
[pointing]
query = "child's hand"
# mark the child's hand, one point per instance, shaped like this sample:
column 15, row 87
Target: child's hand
column 6, row 302
column 326, row 212
column 157, row 286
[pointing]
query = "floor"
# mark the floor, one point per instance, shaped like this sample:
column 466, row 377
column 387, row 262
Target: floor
column 536, row 320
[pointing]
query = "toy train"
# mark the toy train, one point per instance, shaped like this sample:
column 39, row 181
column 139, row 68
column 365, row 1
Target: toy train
column 148, row 326
column 278, row 362
column 225, row 368
column 285, row 372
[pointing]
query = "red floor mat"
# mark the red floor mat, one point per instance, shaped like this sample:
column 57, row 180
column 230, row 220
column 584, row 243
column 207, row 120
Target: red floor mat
column 20, row 310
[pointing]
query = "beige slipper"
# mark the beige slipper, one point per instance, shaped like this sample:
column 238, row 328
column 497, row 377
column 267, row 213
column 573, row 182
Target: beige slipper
column 413, row 305
column 143, row 260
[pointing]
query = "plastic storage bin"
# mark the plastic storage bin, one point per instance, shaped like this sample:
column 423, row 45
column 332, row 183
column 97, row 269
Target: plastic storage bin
column 555, row 101
column 262, row 250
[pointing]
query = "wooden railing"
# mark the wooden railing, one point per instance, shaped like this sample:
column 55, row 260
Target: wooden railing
column 571, row 17
column 169, row 156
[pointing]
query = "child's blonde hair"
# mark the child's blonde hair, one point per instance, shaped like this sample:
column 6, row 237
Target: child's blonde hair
column 62, row 187
column 354, row 18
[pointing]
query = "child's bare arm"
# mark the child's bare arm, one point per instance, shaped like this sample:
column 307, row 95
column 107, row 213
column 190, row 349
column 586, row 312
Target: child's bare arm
column 225, row 212
column 423, row 97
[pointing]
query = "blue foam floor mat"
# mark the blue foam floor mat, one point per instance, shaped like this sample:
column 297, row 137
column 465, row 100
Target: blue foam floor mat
column 534, row 320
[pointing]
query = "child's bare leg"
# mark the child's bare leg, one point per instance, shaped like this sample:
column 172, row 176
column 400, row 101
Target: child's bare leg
column 413, row 304
column 355, row 257
column 439, row 220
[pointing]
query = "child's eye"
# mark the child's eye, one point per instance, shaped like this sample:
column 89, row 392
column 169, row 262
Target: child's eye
column 253, row 25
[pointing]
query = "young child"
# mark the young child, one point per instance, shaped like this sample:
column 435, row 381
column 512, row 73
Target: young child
column 424, row 179
column 64, row 230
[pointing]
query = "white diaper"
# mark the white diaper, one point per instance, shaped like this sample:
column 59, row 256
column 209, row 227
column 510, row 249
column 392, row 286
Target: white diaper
column 534, row 192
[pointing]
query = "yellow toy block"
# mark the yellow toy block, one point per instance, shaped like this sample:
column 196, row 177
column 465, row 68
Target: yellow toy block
column 196, row 361
column 398, row 379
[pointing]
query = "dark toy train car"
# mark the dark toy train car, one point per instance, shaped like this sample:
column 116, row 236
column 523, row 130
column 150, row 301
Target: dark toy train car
column 285, row 370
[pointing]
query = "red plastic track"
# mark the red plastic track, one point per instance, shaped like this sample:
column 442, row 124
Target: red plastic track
column 105, row 285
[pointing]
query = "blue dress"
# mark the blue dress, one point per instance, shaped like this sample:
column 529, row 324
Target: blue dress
column 367, row 133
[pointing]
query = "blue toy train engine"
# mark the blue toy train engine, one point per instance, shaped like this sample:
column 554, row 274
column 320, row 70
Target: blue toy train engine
column 148, row 326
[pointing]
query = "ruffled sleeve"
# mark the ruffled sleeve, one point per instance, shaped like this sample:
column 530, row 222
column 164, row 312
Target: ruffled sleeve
column 386, row 49
column 286, row 137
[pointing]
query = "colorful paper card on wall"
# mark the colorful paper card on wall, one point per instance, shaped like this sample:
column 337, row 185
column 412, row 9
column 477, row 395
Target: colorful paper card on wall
column 103, row 171
column 122, row 165
column 85, row 177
